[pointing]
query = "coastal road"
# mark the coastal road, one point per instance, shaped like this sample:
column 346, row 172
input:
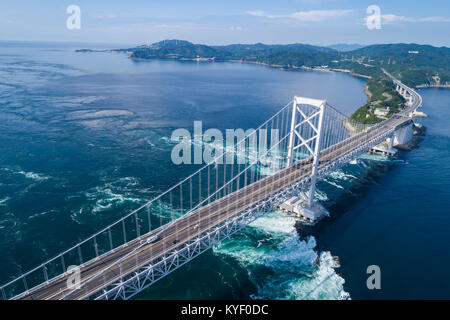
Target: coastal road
column 416, row 98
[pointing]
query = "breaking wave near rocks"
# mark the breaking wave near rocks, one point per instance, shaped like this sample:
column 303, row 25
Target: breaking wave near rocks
column 280, row 264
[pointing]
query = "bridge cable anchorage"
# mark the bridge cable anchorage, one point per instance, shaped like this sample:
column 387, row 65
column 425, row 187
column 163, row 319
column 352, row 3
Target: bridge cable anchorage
column 308, row 139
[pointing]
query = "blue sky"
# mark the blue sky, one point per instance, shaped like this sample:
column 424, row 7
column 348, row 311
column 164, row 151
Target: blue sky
column 319, row 22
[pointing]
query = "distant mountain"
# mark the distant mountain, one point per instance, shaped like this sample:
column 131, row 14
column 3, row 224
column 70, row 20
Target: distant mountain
column 291, row 55
column 172, row 49
column 344, row 47
column 172, row 44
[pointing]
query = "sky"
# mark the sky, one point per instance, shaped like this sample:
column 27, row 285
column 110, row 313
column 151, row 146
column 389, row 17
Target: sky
column 317, row 22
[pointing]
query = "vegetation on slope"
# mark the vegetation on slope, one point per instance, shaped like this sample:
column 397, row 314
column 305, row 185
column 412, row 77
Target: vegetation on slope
column 382, row 95
column 283, row 55
column 413, row 64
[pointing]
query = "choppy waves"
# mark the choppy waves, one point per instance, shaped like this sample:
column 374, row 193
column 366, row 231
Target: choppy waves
column 280, row 264
column 111, row 195
column 29, row 175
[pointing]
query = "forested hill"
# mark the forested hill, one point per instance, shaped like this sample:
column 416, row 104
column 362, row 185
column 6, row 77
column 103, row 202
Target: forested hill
column 412, row 63
column 292, row 55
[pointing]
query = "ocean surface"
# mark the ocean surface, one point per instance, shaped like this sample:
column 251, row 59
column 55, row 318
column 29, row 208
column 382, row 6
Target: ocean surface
column 85, row 138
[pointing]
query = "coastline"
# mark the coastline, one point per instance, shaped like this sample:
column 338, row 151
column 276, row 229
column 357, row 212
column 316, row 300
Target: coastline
column 367, row 91
column 277, row 66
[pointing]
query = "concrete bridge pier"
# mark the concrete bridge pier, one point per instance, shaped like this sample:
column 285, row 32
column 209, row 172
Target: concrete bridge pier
column 400, row 139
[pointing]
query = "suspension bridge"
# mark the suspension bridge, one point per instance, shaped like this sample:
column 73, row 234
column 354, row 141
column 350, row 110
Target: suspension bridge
column 309, row 138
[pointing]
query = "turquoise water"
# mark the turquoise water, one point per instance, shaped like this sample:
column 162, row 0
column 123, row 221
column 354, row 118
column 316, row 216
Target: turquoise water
column 398, row 217
column 84, row 140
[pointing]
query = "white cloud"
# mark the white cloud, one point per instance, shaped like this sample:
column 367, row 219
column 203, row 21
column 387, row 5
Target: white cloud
column 235, row 28
column 322, row 15
column 319, row 15
column 434, row 19
column 257, row 13
column 392, row 18
column 308, row 16
column 107, row 16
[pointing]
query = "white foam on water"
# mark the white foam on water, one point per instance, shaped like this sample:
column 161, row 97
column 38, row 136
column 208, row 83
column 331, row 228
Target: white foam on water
column 29, row 175
column 374, row 157
column 274, row 222
column 41, row 214
column 320, row 195
column 99, row 114
column 245, row 252
column 3, row 223
column 87, row 99
column 106, row 198
column 294, row 254
column 168, row 140
column 148, row 141
column 279, row 264
column 124, row 183
column 9, row 223
column 323, row 283
column 4, row 200
column 33, row 176
column 163, row 210
column 110, row 195
column 341, row 175
column 329, row 181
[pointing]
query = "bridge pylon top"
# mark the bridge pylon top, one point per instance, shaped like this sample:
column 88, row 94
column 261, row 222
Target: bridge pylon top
column 309, row 101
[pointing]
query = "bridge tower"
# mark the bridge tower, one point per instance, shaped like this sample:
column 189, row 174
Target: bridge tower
column 312, row 142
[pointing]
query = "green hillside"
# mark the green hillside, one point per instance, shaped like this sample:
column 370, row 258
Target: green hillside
column 294, row 55
column 413, row 64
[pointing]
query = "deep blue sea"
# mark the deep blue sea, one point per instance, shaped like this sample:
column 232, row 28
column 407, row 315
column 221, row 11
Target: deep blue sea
column 85, row 138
